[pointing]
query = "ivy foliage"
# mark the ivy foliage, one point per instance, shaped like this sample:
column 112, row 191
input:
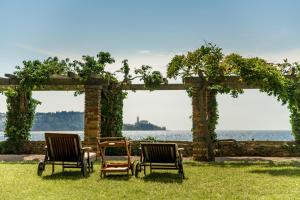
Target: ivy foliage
column 212, row 67
column 20, row 104
column 281, row 80
column 90, row 66
column 34, row 74
column 204, row 63
column 152, row 79
column 112, row 95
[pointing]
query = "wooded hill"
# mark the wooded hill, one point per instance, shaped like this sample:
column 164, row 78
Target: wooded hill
column 55, row 121
column 72, row 121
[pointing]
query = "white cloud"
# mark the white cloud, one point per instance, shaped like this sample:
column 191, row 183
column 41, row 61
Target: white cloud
column 144, row 51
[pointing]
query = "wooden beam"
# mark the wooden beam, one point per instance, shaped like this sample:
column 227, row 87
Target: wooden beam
column 66, row 83
column 231, row 81
column 161, row 87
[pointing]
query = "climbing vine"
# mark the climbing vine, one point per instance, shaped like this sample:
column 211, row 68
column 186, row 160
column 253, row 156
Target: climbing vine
column 210, row 65
column 20, row 104
column 112, row 95
column 281, row 80
column 33, row 75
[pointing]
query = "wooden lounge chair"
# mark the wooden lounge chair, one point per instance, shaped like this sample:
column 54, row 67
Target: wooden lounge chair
column 66, row 150
column 162, row 156
column 111, row 166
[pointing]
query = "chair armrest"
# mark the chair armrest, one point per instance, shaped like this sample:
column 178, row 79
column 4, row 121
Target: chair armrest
column 45, row 147
column 87, row 149
column 180, row 152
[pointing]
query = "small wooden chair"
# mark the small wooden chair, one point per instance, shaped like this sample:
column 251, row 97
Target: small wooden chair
column 162, row 156
column 66, row 150
column 108, row 166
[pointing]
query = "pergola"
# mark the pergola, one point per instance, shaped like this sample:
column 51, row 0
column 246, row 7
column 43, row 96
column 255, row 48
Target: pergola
column 92, row 111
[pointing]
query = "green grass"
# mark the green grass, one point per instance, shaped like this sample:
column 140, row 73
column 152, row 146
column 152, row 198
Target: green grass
column 204, row 181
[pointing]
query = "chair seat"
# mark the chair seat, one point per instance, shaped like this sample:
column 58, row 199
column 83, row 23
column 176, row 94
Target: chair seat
column 92, row 156
column 115, row 169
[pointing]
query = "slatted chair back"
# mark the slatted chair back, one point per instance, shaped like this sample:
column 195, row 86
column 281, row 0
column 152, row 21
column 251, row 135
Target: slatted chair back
column 63, row 147
column 159, row 152
column 106, row 142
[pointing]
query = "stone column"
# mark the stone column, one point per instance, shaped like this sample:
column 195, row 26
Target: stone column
column 202, row 146
column 92, row 115
column 210, row 100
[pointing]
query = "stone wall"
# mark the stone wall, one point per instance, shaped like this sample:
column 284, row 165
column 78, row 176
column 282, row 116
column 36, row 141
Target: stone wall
column 257, row 148
column 36, row 147
column 222, row 148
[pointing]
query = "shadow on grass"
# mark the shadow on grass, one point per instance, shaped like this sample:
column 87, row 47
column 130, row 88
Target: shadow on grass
column 221, row 164
column 163, row 177
column 19, row 162
column 115, row 177
column 278, row 172
column 69, row 175
column 241, row 164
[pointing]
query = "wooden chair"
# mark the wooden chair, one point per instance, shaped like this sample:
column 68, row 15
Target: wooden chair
column 162, row 156
column 66, row 150
column 112, row 166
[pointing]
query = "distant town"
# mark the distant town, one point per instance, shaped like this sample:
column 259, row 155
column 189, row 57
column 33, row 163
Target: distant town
column 142, row 125
column 73, row 121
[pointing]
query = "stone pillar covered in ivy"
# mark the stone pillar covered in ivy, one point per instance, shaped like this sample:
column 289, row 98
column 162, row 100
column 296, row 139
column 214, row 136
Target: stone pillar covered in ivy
column 212, row 113
column 92, row 115
column 19, row 117
column 202, row 145
column 295, row 112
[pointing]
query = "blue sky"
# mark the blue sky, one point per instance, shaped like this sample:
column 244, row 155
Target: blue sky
column 151, row 32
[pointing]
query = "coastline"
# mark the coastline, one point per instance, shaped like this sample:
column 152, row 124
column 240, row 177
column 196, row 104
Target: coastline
column 186, row 135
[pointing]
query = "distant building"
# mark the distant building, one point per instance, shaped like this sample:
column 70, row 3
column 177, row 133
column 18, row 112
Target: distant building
column 142, row 125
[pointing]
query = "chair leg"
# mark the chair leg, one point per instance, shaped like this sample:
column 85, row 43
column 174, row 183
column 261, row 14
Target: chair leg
column 132, row 169
column 92, row 166
column 89, row 166
column 52, row 167
column 180, row 169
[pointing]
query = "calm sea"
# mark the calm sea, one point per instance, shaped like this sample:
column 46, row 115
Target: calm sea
column 240, row 135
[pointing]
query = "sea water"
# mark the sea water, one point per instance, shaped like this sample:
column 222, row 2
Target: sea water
column 185, row 135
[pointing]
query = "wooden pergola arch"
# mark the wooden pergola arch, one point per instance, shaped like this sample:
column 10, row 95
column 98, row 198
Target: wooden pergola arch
column 92, row 112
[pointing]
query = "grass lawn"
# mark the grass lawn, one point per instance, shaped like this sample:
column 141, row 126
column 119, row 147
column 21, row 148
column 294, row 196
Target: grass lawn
column 204, row 181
